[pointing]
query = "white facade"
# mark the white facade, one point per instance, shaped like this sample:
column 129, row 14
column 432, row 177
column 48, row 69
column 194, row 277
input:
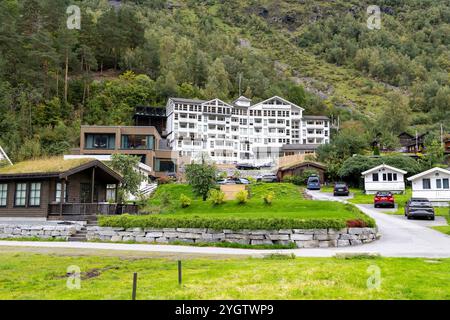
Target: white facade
column 240, row 132
column 384, row 178
column 433, row 185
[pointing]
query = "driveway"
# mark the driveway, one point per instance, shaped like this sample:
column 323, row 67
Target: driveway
column 400, row 237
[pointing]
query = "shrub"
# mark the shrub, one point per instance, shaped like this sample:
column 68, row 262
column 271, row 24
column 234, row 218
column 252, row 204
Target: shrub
column 185, row 201
column 298, row 180
column 268, row 198
column 217, row 197
column 164, row 180
column 242, row 196
column 251, row 179
column 165, row 221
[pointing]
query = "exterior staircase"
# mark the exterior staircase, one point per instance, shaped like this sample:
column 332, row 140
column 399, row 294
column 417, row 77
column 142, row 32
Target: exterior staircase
column 81, row 234
column 149, row 189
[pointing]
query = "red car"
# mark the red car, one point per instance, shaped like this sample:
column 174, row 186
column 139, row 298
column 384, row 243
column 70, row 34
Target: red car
column 384, row 199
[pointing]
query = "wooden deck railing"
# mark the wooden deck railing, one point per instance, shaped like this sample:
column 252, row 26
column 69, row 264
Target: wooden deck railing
column 82, row 209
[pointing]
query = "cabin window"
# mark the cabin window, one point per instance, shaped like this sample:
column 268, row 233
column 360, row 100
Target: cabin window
column 111, row 192
column 21, row 195
column 35, row 194
column 375, row 177
column 384, row 177
column 394, row 176
column 58, row 192
column 445, row 183
column 438, row 184
column 3, row 194
column 426, row 184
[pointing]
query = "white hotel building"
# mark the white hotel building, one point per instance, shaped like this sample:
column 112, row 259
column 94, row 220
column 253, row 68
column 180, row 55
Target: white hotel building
column 241, row 132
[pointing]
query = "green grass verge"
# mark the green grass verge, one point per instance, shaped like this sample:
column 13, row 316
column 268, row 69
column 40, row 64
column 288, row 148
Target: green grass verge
column 249, row 278
column 443, row 229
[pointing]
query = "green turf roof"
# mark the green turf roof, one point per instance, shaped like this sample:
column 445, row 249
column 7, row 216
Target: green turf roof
column 48, row 165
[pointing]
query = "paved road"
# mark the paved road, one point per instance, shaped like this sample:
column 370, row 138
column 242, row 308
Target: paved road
column 400, row 238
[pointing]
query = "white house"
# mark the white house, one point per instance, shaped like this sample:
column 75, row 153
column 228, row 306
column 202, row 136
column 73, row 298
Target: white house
column 384, row 178
column 433, row 185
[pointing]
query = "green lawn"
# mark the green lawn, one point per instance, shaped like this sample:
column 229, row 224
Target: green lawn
column 243, row 278
column 288, row 202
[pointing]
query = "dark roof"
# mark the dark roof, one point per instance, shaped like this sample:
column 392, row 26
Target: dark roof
column 306, row 117
column 294, row 147
column 183, row 100
column 48, row 168
column 303, row 164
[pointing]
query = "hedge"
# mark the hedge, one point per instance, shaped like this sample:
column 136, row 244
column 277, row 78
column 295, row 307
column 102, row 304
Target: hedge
column 161, row 221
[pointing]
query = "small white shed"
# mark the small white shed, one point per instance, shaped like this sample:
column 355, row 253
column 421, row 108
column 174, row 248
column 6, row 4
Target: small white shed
column 384, row 178
column 433, row 184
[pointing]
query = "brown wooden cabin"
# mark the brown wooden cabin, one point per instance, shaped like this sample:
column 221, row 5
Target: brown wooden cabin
column 34, row 189
column 296, row 169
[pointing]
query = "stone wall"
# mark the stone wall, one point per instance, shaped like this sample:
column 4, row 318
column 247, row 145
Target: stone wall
column 42, row 231
column 314, row 238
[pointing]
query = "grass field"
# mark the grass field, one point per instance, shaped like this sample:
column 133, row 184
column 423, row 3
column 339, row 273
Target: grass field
column 43, row 276
column 288, row 202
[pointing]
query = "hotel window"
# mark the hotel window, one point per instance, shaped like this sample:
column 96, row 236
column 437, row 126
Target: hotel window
column 35, row 194
column 21, row 195
column 426, row 184
column 111, row 192
column 3, row 194
column 100, row 141
column 137, row 142
column 58, row 192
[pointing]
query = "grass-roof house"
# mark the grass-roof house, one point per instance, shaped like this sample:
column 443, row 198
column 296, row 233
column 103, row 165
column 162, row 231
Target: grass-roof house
column 56, row 188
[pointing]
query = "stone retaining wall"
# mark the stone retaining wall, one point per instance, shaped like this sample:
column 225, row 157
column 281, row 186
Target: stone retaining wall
column 43, row 231
column 314, row 238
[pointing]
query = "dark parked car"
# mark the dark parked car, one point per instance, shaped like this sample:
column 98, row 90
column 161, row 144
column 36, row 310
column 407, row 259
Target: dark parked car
column 384, row 199
column 419, row 208
column 313, row 183
column 341, row 189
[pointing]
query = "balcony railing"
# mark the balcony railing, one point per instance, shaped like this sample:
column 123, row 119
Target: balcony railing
column 84, row 209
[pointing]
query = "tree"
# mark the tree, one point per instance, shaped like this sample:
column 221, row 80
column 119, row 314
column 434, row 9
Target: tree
column 202, row 177
column 434, row 154
column 127, row 166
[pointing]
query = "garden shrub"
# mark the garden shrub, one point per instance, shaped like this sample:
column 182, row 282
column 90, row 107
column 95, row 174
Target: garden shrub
column 298, row 180
column 268, row 198
column 164, row 180
column 185, row 201
column 242, row 197
column 217, row 197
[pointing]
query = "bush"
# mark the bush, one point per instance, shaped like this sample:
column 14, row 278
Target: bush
column 185, row 201
column 164, row 180
column 242, row 196
column 298, row 180
column 164, row 221
column 217, row 197
column 268, row 198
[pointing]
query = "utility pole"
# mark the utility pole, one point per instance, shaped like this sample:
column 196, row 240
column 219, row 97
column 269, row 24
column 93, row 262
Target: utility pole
column 442, row 135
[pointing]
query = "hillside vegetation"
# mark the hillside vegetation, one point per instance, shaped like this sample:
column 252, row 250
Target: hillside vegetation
column 320, row 55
